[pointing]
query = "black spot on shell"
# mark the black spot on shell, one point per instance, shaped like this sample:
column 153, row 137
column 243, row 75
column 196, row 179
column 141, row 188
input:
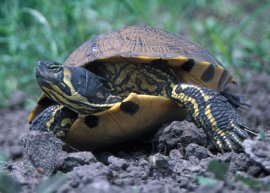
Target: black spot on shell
column 91, row 121
column 188, row 65
column 129, row 107
column 208, row 73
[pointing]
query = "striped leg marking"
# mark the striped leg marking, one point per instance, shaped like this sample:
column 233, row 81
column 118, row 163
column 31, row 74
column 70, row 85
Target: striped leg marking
column 212, row 111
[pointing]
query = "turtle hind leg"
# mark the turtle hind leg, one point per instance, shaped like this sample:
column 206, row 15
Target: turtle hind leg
column 214, row 113
column 55, row 118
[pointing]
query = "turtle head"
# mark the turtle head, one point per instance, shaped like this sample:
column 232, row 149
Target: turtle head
column 49, row 74
column 73, row 87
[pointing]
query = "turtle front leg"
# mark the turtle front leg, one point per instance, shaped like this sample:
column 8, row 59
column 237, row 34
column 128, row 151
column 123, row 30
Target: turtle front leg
column 55, row 118
column 213, row 112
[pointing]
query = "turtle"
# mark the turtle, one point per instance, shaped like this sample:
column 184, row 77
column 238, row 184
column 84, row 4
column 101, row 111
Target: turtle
column 121, row 85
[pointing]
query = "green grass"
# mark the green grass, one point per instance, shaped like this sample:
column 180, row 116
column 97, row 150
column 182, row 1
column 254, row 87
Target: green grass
column 238, row 32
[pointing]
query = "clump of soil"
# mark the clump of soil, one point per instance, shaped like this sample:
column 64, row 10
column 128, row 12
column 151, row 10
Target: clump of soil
column 175, row 160
column 13, row 125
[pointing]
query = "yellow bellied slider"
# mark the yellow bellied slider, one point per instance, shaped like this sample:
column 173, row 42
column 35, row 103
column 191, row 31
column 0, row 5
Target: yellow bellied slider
column 123, row 84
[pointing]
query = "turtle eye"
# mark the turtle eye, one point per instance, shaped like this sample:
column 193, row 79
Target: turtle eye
column 54, row 67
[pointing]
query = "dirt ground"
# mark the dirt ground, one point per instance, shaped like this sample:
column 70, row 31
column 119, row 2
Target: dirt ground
column 175, row 160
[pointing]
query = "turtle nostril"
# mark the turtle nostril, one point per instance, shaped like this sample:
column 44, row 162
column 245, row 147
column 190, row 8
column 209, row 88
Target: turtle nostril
column 40, row 67
column 40, row 64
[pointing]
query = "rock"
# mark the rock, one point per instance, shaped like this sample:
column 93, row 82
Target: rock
column 259, row 152
column 25, row 172
column 254, row 170
column 239, row 162
column 175, row 154
column 221, row 187
column 12, row 126
column 16, row 151
column 197, row 151
column 42, row 149
column 156, row 186
column 194, row 164
column 143, row 162
column 225, row 157
column 159, row 161
column 247, row 184
column 183, row 167
column 76, row 159
column 178, row 135
column 136, row 173
column 193, row 160
column 102, row 186
column 217, row 188
column 266, row 181
column 117, row 163
column 88, row 173
column 97, row 186
column 66, row 188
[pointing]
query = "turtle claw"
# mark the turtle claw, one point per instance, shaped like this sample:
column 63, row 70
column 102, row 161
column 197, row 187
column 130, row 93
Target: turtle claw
column 232, row 138
column 218, row 143
column 239, row 129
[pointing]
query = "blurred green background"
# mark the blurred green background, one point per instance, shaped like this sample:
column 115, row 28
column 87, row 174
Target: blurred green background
column 236, row 32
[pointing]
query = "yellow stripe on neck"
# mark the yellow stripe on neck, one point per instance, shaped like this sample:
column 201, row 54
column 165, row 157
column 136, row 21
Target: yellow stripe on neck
column 51, row 120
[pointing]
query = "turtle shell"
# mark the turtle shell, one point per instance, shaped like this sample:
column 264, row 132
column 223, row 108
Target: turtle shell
column 145, row 44
column 138, row 113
